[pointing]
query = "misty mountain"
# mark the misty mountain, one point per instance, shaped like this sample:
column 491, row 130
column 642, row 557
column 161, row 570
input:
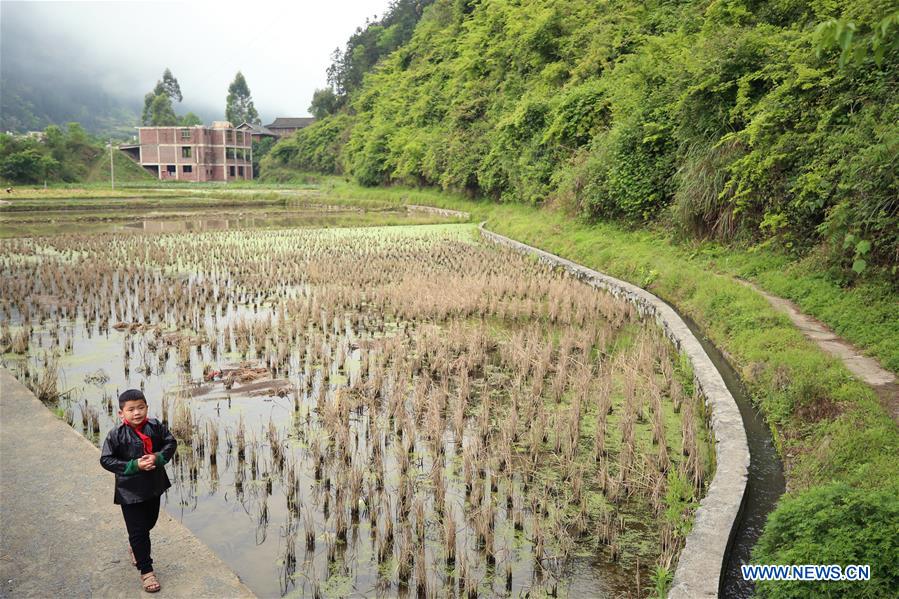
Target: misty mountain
column 47, row 77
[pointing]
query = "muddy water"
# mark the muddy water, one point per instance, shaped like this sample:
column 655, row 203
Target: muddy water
column 229, row 505
column 239, row 504
column 56, row 222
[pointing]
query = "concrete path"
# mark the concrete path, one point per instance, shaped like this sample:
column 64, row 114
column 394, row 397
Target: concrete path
column 867, row 369
column 60, row 533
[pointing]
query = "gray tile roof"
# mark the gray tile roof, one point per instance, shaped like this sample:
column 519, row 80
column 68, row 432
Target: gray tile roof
column 291, row 122
column 257, row 129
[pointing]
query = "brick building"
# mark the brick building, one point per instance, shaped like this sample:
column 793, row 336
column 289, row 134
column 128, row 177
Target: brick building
column 217, row 153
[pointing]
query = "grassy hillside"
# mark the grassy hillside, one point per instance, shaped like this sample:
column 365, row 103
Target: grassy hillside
column 62, row 155
column 758, row 122
column 126, row 170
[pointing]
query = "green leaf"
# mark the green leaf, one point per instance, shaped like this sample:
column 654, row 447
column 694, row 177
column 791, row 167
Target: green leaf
column 862, row 247
column 844, row 38
column 848, row 240
column 859, row 266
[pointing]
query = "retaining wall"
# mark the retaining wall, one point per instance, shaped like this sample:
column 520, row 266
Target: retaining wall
column 439, row 211
column 701, row 562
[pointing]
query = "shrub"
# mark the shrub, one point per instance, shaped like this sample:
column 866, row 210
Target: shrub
column 833, row 524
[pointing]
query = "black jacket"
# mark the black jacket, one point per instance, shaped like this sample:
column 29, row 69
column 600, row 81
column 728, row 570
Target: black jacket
column 123, row 445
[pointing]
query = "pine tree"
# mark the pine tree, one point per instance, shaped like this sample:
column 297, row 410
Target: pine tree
column 239, row 104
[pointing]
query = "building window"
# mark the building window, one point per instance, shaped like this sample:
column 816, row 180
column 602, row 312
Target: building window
column 170, row 169
column 240, row 171
column 185, row 134
column 240, row 137
column 229, row 153
column 230, row 171
column 185, row 151
column 187, row 168
column 229, row 136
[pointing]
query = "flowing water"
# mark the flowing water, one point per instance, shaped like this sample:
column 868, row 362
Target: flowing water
column 766, row 477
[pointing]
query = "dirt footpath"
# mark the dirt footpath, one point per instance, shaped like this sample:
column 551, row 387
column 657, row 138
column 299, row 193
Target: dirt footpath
column 60, row 533
column 867, row 369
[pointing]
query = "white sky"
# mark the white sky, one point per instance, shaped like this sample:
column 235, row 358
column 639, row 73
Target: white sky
column 283, row 48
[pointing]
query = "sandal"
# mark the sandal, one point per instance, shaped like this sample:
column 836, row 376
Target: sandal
column 150, row 582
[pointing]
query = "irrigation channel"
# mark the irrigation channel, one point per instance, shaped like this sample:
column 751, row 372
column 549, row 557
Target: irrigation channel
column 766, row 476
column 396, row 410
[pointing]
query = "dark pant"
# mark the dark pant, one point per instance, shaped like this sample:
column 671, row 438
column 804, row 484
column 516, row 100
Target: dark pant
column 140, row 518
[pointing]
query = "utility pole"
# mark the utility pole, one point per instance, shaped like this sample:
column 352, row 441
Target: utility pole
column 111, row 166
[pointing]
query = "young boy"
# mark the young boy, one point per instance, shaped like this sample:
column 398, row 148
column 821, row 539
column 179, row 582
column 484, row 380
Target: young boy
column 137, row 451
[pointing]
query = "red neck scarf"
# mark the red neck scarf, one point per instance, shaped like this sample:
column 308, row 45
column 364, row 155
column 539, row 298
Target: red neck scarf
column 148, row 442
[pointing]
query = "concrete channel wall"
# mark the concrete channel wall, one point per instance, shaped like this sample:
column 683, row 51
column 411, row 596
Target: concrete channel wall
column 701, row 562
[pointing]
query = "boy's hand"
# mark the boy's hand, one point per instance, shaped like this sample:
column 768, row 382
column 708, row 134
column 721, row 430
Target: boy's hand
column 147, row 462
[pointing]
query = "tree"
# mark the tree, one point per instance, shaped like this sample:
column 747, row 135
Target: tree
column 161, row 112
column 169, row 89
column 324, row 102
column 189, row 120
column 260, row 149
column 26, row 166
column 239, row 104
column 55, row 141
column 76, row 136
column 50, row 167
column 170, row 85
column 369, row 44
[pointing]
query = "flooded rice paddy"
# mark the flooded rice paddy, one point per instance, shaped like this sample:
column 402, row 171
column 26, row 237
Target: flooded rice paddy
column 112, row 217
column 375, row 411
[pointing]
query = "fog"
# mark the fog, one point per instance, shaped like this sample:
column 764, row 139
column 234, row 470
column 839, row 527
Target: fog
column 118, row 50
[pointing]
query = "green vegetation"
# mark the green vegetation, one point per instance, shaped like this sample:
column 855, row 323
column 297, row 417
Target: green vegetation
column 318, row 150
column 62, row 155
column 239, row 106
column 732, row 120
column 158, row 108
column 369, row 44
column 324, row 102
column 261, row 148
column 843, row 523
column 126, row 170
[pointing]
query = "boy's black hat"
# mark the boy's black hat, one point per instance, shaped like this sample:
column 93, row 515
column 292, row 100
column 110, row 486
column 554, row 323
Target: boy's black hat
column 131, row 395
